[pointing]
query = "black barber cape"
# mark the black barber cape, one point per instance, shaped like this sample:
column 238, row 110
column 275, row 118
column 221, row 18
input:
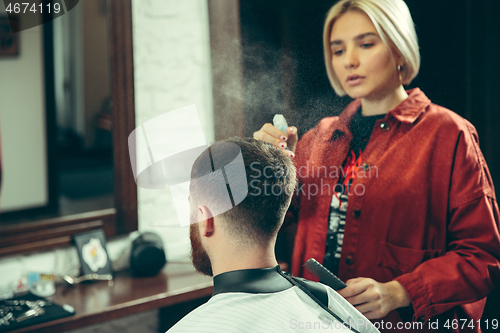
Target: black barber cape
column 266, row 300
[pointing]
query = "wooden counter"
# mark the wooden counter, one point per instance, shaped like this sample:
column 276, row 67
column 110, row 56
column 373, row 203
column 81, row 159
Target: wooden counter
column 99, row 302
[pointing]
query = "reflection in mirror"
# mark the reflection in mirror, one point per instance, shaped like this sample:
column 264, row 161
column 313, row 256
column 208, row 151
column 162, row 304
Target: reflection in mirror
column 57, row 149
column 44, row 228
column 22, row 119
column 83, row 109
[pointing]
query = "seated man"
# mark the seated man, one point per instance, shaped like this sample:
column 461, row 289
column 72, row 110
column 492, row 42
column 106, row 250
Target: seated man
column 240, row 190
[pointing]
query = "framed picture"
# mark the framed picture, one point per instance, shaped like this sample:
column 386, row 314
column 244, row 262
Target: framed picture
column 9, row 41
column 91, row 247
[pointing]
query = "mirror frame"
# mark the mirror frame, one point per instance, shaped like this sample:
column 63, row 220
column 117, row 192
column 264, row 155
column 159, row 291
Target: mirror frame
column 55, row 232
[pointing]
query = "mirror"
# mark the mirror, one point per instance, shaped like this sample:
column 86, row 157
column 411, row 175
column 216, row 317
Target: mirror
column 121, row 216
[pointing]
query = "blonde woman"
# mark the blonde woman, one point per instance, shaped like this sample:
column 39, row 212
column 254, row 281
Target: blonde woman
column 394, row 195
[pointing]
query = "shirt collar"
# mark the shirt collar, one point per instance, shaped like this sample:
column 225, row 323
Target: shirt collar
column 260, row 280
column 411, row 108
column 406, row 112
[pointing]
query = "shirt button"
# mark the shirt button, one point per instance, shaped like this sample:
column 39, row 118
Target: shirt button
column 349, row 260
column 384, row 126
column 356, row 212
column 366, row 166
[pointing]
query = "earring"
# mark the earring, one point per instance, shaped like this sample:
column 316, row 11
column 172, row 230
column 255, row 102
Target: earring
column 400, row 71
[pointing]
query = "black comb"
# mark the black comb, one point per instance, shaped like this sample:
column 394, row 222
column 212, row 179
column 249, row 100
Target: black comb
column 324, row 275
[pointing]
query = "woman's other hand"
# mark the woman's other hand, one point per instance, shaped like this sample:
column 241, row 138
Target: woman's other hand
column 270, row 134
column 373, row 299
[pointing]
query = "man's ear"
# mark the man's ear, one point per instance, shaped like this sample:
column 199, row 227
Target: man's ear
column 207, row 221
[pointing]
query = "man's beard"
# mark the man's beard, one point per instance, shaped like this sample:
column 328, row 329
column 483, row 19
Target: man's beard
column 199, row 256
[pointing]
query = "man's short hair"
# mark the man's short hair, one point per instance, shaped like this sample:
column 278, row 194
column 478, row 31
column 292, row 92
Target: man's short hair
column 268, row 174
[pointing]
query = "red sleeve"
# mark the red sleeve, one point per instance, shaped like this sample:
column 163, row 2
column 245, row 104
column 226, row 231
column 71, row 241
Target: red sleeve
column 470, row 267
column 286, row 236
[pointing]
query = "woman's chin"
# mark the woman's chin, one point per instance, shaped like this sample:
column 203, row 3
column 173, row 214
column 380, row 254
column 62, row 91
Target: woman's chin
column 355, row 94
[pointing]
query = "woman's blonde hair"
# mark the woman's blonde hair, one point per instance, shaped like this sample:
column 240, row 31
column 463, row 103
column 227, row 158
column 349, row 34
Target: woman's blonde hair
column 395, row 26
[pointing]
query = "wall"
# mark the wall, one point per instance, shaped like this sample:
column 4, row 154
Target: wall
column 172, row 70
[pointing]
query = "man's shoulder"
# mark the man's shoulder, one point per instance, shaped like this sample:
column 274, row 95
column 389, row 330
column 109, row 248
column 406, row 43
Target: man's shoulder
column 237, row 312
column 222, row 311
column 186, row 323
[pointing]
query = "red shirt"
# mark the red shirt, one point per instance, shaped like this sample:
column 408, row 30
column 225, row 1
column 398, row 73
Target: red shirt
column 422, row 211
